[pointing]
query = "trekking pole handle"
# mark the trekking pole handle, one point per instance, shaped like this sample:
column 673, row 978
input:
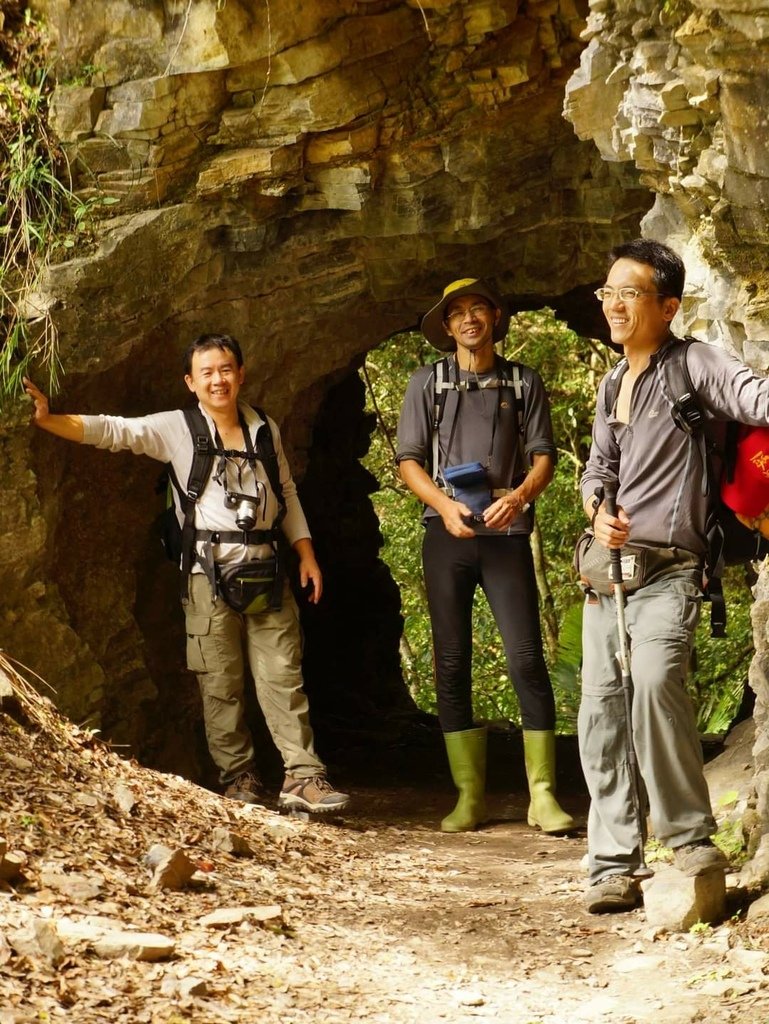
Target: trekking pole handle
column 610, row 500
column 610, row 497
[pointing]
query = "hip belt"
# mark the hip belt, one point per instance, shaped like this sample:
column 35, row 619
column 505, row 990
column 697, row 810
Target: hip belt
column 235, row 536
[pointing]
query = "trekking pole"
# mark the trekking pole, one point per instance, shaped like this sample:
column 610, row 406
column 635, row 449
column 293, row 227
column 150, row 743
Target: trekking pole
column 623, row 657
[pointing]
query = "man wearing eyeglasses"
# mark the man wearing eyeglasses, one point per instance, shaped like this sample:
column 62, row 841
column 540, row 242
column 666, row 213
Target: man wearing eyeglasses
column 474, row 417
column 657, row 470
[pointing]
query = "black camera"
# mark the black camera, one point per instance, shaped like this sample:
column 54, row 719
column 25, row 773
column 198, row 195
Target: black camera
column 246, row 509
column 473, row 518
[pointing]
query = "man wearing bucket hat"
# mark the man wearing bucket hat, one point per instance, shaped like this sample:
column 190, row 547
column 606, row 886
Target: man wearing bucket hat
column 656, row 471
column 475, row 445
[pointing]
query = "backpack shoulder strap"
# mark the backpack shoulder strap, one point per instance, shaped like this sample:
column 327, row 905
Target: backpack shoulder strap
column 511, row 371
column 613, row 380
column 441, row 385
column 202, row 454
column 265, row 452
column 200, row 471
column 512, row 376
column 688, row 416
column 682, row 387
column 686, row 411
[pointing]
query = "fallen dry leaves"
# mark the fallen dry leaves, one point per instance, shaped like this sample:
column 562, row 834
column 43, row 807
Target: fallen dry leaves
column 132, row 897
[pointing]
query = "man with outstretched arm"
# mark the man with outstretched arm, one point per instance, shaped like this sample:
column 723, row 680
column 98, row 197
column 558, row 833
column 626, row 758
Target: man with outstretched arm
column 657, row 471
column 478, row 470
column 239, row 484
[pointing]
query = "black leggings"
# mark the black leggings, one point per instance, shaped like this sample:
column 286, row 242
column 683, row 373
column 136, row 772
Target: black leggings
column 503, row 567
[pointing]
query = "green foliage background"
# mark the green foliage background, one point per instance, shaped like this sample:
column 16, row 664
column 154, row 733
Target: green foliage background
column 571, row 367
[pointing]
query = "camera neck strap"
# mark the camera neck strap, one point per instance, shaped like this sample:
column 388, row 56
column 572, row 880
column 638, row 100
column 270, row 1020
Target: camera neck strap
column 226, row 455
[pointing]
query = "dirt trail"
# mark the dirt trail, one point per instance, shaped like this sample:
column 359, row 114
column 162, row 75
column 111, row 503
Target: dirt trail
column 490, row 926
column 376, row 918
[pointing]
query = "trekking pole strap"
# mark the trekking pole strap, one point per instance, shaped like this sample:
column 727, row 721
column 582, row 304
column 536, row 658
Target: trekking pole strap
column 615, row 555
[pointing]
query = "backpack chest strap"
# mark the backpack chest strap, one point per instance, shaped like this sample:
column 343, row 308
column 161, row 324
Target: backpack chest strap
column 486, row 385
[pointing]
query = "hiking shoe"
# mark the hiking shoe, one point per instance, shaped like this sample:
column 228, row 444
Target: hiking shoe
column 315, row 794
column 246, row 788
column 612, row 895
column 699, row 858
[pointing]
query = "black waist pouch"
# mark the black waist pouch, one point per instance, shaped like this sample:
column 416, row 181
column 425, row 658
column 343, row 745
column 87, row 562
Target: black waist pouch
column 251, row 587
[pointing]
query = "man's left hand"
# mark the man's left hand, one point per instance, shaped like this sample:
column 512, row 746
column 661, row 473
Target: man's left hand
column 503, row 511
column 310, row 575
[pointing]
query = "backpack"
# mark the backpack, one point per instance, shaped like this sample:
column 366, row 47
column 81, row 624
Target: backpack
column 509, row 378
column 179, row 541
column 730, row 542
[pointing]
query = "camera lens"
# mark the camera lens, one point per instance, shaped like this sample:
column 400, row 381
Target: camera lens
column 245, row 514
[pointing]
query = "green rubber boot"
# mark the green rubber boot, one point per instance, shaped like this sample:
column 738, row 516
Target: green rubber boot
column 544, row 811
column 467, row 759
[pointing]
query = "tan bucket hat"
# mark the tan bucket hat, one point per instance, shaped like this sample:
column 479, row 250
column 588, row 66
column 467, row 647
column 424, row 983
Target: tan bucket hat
column 433, row 326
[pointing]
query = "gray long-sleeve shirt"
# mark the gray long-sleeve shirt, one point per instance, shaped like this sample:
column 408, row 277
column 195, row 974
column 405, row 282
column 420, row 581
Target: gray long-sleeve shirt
column 471, row 430
column 165, row 436
column 658, row 466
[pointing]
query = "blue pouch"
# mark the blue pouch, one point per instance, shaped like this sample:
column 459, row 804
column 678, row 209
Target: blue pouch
column 469, row 483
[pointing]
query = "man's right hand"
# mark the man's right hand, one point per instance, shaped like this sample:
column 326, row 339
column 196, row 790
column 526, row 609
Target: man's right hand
column 417, row 480
column 612, row 531
column 42, row 411
column 452, row 515
column 69, row 427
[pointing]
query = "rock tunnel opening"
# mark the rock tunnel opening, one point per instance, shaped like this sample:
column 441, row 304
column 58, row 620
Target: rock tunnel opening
column 120, row 658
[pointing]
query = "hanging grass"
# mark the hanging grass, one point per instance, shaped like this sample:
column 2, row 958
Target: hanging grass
column 35, row 709
column 41, row 217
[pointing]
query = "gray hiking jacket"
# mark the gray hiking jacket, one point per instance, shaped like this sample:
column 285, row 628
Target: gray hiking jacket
column 659, row 467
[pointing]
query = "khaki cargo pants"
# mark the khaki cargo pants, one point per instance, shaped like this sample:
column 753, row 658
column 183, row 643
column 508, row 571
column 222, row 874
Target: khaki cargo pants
column 216, row 638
